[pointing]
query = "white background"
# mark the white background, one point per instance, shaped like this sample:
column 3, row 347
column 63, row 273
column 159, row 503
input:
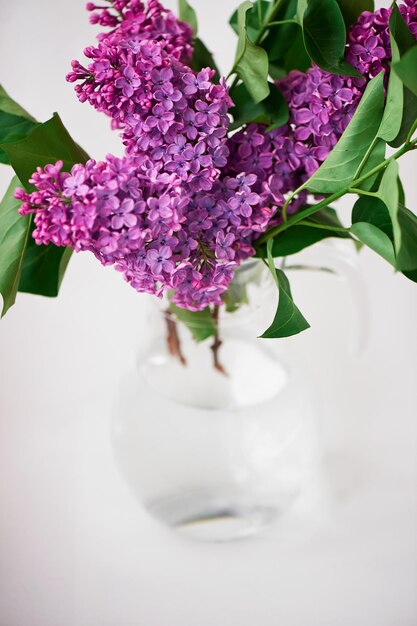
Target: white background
column 76, row 549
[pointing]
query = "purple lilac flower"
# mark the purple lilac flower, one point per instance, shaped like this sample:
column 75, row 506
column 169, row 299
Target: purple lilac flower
column 321, row 106
column 140, row 23
column 183, row 208
column 127, row 82
column 161, row 233
column 153, row 97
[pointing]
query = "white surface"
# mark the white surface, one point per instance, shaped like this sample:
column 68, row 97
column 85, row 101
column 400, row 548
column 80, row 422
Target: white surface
column 75, row 547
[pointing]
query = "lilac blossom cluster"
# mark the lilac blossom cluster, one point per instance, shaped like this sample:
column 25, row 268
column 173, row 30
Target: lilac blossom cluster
column 135, row 22
column 170, row 115
column 124, row 57
column 150, row 229
column 321, row 105
column 369, row 47
column 183, row 208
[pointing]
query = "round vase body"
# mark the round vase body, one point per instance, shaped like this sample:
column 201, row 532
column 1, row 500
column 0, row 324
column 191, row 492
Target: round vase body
column 217, row 454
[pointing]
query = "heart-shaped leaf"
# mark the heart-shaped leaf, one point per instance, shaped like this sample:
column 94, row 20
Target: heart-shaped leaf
column 253, row 25
column 200, row 323
column 47, row 143
column 375, row 239
column 394, row 105
column 400, row 30
column 351, row 9
column 320, row 226
column 405, row 41
column 406, row 69
column 43, row 266
column 187, row 14
column 251, row 61
column 43, row 269
column 14, row 236
column 202, row 57
column 8, row 105
column 12, row 128
column 325, row 36
column 288, row 319
column 15, row 122
column 375, row 157
column 407, row 254
column 273, row 111
column 371, row 224
column 388, row 193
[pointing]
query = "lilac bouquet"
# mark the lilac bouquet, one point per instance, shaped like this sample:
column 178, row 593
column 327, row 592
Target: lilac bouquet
column 217, row 170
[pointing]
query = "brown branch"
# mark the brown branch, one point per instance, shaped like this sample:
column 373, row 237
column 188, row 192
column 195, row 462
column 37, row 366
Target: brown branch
column 173, row 340
column 217, row 343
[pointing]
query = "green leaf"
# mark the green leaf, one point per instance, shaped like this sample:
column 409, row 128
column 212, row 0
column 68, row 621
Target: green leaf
column 407, row 253
column 384, row 210
column 389, row 194
column 375, row 239
column 202, row 57
column 405, row 41
column 14, row 234
column 406, row 69
column 200, row 323
column 373, row 211
column 298, row 237
column 400, row 31
column 12, row 128
column 371, row 224
column 251, row 61
column 47, row 143
column 301, row 9
column 401, row 192
column 273, row 111
column 411, row 275
column 235, row 295
column 351, row 9
column 8, row 105
column 408, row 119
column 325, row 36
column 296, row 55
column 252, row 22
column 43, row 269
column 375, row 157
column 394, row 105
column 187, row 14
column 340, row 167
column 15, row 122
column 283, row 42
column 288, row 320
column 43, row 266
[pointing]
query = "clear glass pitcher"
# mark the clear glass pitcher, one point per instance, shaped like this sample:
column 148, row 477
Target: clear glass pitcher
column 218, row 441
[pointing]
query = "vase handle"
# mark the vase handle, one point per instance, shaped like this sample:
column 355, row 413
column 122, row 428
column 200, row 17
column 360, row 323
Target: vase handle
column 342, row 259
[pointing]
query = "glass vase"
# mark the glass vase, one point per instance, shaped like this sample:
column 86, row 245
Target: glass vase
column 217, row 438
